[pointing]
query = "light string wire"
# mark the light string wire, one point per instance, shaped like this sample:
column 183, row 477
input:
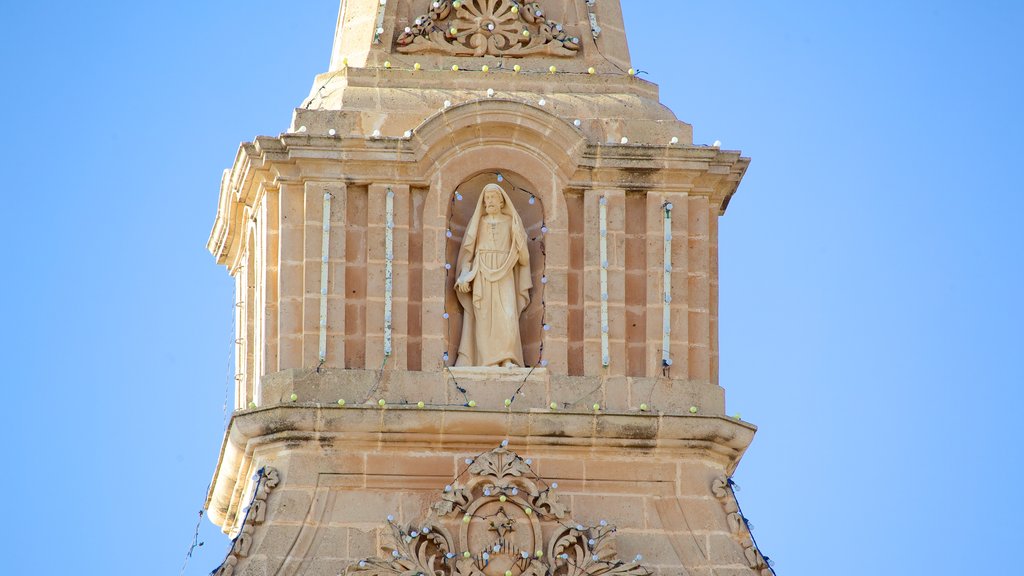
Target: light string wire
column 195, row 538
column 232, row 329
column 733, row 487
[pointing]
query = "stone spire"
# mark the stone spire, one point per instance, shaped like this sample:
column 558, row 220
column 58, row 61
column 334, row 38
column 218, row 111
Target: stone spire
column 354, row 426
column 572, row 34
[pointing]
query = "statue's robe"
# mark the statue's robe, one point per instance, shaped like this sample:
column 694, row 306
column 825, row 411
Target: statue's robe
column 495, row 260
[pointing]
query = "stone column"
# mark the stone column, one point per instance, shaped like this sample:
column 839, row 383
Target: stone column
column 713, row 214
column 655, row 281
column 699, row 295
column 290, row 276
column 435, row 211
column 270, row 239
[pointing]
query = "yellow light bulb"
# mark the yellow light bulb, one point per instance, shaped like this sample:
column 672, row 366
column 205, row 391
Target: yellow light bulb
column 455, row 67
column 591, row 70
column 485, row 68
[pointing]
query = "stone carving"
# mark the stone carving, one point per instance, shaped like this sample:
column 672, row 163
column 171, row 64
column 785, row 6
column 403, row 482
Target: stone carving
column 256, row 515
column 487, row 28
column 500, row 512
column 493, row 282
column 721, row 487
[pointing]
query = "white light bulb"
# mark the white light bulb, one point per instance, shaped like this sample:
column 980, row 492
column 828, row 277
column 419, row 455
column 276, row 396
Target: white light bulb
column 408, row 134
column 577, row 123
column 717, row 144
column 543, row 102
column 490, row 92
column 624, row 140
column 302, row 128
column 376, row 133
column 675, row 140
column 447, row 103
column 332, row 132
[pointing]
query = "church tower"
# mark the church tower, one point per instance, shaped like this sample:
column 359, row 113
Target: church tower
column 477, row 310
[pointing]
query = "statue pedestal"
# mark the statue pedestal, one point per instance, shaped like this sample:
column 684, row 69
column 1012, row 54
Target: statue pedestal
column 491, row 386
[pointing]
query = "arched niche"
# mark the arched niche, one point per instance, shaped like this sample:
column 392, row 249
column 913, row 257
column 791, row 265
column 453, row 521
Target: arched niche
column 531, row 210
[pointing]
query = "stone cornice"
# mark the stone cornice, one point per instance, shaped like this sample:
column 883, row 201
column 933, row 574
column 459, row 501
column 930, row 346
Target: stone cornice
column 717, row 438
column 270, row 161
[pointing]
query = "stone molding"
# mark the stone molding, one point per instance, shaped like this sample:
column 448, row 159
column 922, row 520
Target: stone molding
column 721, row 487
column 502, row 494
column 715, row 438
column 269, row 161
column 256, row 515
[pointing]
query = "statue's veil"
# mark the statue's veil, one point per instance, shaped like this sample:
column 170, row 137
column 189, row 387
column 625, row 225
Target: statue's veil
column 518, row 259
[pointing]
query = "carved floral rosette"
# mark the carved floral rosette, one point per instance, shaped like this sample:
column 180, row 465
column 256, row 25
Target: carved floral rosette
column 499, row 512
column 721, row 487
column 487, row 28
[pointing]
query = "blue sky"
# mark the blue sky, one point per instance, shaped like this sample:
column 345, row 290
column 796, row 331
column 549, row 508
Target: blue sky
column 871, row 266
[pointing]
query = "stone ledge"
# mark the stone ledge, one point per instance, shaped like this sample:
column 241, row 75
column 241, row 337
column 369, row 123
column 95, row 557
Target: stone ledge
column 403, row 428
column 533, row 389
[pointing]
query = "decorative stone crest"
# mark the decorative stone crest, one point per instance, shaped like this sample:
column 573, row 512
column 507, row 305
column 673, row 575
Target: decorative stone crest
column 266, row 481
column 487, row 28
column 721, row 487
column 498, row 516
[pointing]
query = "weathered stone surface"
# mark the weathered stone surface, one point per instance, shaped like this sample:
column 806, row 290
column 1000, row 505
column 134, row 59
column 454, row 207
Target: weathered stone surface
column 342, row 235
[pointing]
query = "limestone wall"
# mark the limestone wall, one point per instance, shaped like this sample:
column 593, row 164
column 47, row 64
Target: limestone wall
column 270, row 233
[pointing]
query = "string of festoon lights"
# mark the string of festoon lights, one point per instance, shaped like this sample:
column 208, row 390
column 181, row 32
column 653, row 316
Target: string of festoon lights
column 407, row 65
column 504, row 493
column 666, row 318
column 734, row 488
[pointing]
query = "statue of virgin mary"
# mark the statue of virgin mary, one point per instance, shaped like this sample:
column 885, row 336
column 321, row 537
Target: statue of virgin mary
column 493, row 282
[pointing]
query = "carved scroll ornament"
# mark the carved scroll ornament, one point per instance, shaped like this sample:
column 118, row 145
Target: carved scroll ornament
column 721, row 487
column 498, row 516
column 487, row 28
column 257, row 514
